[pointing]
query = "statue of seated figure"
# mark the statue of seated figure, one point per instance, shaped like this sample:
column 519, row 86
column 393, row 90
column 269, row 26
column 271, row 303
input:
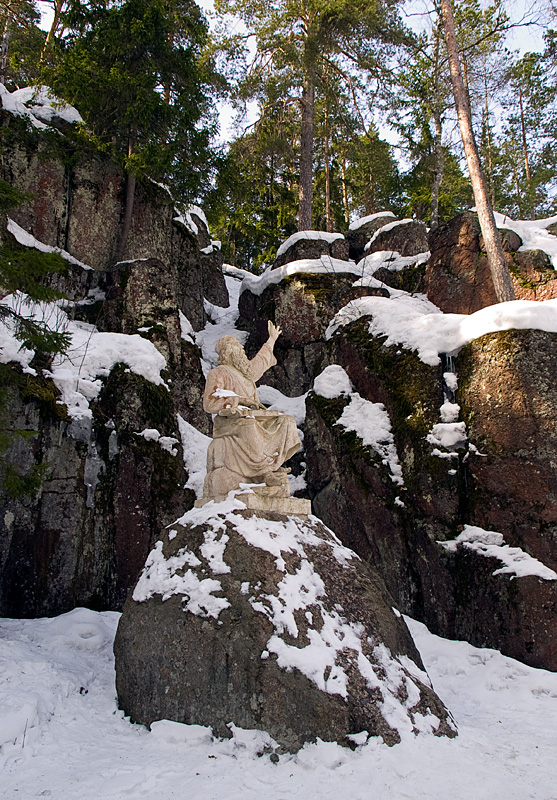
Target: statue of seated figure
column 250, row 442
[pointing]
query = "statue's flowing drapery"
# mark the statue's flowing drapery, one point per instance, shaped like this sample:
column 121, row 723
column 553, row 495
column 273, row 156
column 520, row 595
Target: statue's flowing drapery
column 244, row 447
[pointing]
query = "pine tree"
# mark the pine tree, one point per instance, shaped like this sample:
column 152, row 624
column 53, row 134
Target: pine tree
column 498, row 266
column 299, row 43
column 525, row 161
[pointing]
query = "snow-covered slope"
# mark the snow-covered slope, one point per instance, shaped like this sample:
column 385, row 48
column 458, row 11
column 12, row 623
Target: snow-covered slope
column 62, row 736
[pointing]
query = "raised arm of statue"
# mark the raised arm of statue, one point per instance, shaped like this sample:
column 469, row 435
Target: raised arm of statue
column 265, row 359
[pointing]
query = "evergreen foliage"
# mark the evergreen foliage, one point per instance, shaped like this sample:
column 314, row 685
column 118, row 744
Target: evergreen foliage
column 21, row 45
column 26, row 270
column 312, row 55
column 252, row 207
column 135, row 72
column 328, row 78
column 455, row 194
column 524, row 159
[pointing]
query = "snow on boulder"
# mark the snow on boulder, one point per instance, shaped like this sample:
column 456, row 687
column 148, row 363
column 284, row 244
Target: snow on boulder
column 416, row 324
column 27, row 240
column 406, row 237
column 371, row 222
column 269, row 624
column 362, row 229
column 311, row 244
column 322, row 265
column 332, row 382
column 369, row 421
column 516, row 562
column 40, row 106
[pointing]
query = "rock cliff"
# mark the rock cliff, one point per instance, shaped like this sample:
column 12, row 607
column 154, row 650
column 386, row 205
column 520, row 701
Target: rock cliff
column 84, row 495
column 452, row 502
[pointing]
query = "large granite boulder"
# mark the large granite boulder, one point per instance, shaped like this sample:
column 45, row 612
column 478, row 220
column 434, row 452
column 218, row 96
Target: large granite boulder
column 269, row 623
column 311, row 244
column 361, row 231
column 406, row 237
column 458, row 279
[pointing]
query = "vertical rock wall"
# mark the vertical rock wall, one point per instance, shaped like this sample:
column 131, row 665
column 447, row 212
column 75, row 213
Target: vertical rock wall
column 82, row 502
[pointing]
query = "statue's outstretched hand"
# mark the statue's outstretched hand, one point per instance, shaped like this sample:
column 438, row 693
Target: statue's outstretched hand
column 274, row 331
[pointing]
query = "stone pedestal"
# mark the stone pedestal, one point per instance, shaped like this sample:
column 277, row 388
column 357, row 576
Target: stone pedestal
column 263, row 502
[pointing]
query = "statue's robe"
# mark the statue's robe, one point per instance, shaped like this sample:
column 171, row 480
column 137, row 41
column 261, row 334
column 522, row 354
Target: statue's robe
column 244, row 448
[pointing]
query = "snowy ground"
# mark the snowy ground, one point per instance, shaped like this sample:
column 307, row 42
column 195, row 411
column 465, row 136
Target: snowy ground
column 63, row 737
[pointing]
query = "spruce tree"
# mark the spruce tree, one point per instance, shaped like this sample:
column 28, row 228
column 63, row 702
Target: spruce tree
column 135, row 72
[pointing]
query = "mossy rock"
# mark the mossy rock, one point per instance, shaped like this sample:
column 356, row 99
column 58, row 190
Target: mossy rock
column 134, row 401
column 35, row 388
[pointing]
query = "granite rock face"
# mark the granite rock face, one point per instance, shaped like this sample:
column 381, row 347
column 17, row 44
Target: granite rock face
column 269, row 623
column 358, row 238
column 303, row 305
column 458, row 279
column 83, row 500
column 406, row 238
column 500, row 479
column 398, row 524
column 77, row 203
column 508, row 397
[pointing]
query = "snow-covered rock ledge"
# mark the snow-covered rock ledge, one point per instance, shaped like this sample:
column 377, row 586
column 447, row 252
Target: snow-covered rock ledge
column 415, row 323
column 491, row 544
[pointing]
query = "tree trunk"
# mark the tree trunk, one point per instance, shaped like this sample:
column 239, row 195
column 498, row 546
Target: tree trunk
column 306, row 154
column 491, row 180
column 6, row 33
column 272, row 180
column 329, row 221
column 523, row 131
column 439, row 169
column 345, row 191
column 438, row 152
column 371, row 206
column 128, row 211
column 525, row 153
column 58, row 5
column 498, row 266
column 517, row 186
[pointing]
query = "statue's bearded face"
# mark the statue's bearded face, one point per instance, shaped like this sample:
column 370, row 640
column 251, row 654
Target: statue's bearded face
column 232, row 354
